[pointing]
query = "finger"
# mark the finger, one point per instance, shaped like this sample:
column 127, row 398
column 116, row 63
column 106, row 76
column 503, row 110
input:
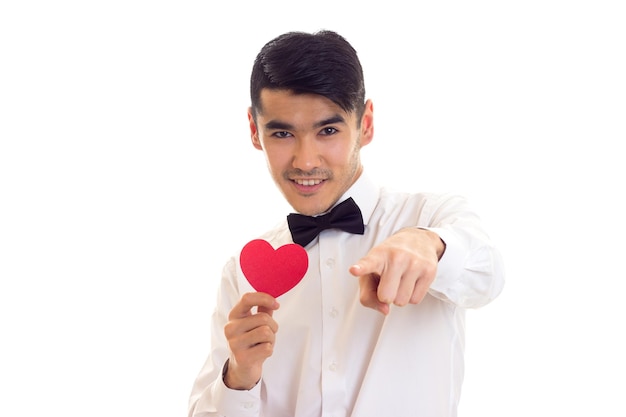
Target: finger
column 255, row 353
column 371, row 263
column 251, row 339
column 368, row 296
column 267, row 310
column 389, row 284
column 421, row 289
column 237, row 327
column 426, row 275
column 253, row 299
column 249, row 323
column 418, row 294
column 406, row 290
column 368, row 269
column 248, row 352
column 251, row 348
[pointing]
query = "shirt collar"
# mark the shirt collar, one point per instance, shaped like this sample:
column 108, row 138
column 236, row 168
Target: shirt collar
column 365, row 193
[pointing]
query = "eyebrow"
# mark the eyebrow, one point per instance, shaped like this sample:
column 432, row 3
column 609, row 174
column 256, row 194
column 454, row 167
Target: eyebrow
column 278, row 125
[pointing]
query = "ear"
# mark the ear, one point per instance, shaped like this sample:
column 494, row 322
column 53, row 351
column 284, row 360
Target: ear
column 367, row 123
column 254, row 132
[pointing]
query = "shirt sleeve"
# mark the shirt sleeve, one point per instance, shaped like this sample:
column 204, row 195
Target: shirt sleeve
column 210, row 397
column 470, row 273
column 219, row 400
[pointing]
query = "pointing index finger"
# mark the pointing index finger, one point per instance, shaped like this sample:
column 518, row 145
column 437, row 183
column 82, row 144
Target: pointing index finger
column 366, row 265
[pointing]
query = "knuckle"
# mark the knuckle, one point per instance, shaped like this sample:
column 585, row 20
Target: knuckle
column 228, row 330
column 417, row 297
column 363, row 299
column 247, row 298
column 264, row 318
column 430, row 269
column 400, row 302
column 266, row 333
column 266, row 349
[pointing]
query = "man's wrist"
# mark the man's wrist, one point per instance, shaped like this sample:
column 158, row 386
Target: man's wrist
column 232, row 384
column 438, row 242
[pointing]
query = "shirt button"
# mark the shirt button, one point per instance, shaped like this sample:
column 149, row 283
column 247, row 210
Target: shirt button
column 334, row 312
column 330, row 262
column 333, row 366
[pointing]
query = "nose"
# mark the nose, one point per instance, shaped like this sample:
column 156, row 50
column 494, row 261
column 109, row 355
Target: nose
column 306, row 155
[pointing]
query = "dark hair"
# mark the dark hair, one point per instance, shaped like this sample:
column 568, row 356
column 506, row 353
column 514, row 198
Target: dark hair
column 322, row 63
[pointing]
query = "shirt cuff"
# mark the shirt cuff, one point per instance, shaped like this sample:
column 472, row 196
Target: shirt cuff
column 237, row 403
column 450, row 265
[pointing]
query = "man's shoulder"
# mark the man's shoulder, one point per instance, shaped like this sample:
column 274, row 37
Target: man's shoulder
column 395, row 196
column 278, row 235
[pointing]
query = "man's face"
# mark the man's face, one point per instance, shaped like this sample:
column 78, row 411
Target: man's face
column 312, row 146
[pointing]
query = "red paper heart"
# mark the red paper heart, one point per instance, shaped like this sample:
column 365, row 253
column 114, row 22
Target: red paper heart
column 273, row 271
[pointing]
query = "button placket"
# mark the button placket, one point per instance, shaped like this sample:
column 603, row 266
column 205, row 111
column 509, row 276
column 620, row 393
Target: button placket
column 332, row 282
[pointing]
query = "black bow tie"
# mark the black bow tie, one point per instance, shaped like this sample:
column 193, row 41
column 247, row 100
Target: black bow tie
column 345, row 216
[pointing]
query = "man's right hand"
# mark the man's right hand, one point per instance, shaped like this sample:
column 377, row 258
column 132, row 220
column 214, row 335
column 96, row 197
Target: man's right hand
column 251, row 339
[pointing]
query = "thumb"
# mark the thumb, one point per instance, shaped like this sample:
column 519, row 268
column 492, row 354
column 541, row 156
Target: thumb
column 268, row 307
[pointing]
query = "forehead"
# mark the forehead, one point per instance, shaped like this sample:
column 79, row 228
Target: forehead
column 286, row 106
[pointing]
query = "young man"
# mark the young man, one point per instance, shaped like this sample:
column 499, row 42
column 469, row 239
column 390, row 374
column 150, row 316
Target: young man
column 376, row 326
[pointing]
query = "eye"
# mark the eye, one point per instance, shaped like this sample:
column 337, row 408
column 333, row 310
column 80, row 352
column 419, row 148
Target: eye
column 281, row 134
column 328, row 131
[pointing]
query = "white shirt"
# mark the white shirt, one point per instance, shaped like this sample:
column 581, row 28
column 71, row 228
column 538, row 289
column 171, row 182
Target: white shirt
column 334, row 357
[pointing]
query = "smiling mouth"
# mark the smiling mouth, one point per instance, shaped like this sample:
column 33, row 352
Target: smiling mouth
column 307, row 182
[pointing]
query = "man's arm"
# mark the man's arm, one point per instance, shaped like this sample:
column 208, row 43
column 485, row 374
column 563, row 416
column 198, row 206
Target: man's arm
column 447, row 254
column 221, row 388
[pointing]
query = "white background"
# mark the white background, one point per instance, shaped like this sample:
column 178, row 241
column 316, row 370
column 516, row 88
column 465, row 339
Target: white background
column 127, row 179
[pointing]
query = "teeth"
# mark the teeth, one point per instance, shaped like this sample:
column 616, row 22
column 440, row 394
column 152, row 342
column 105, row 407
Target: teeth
column 308, row 182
